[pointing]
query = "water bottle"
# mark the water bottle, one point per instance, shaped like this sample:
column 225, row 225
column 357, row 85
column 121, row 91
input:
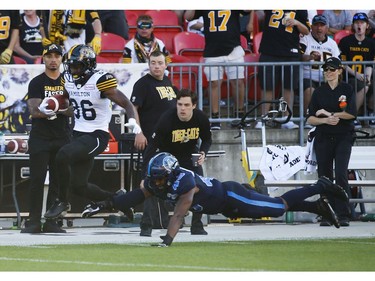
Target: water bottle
column 2, row 143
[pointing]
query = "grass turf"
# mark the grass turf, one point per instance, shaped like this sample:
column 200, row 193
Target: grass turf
column 280, row 255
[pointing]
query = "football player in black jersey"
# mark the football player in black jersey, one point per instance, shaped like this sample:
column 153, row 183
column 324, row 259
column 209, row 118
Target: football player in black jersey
column 190, row 191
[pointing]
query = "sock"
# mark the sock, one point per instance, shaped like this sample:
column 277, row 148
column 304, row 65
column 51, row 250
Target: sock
column 128, row 200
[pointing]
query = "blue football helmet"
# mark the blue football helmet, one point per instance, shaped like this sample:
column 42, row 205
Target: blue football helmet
column 161, row 172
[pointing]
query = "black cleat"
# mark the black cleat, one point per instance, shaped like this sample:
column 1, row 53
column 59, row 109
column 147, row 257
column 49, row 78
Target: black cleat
column 52, row 226
column 327, row 213
column 32, row 227
column 333, row 189
column 198, row 231
column 94, row 208
column 129, row 213
column 58, row 209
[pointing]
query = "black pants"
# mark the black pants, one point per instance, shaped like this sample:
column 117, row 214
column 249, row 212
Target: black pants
column 335, row 149
column 75, row 161
column 42, row 158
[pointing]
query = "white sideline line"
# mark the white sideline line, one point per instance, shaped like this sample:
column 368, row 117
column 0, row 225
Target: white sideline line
column 125, row 264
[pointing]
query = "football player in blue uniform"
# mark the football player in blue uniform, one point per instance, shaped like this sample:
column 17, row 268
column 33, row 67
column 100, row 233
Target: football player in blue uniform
column 189, row 191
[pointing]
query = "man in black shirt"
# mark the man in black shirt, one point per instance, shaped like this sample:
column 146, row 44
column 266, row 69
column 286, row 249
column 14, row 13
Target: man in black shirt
column 49, row 132
column 183, row 131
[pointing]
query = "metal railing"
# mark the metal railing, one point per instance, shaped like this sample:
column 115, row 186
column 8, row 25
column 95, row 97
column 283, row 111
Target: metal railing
column 191, row 75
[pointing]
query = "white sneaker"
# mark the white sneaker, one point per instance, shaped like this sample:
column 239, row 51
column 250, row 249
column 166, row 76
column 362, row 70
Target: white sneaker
column 258, row 125
column 290, row 125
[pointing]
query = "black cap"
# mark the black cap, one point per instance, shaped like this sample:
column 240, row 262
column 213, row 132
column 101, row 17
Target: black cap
column 52, row 48
column 332, row 62
column 319, row 18
column 360, row 16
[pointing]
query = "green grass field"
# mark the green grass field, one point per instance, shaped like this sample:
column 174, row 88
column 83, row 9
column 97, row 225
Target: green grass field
column 248, row 256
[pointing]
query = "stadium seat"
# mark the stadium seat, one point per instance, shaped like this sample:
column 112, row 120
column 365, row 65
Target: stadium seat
column 189, row 44
column 112, row 47
column 341, row 34
column 163, row 17
column 256, row 42
column 166, row 26
column 183, row 76
column 18, row 60
column 131, row 17
column 244, row 44
column 251, row 74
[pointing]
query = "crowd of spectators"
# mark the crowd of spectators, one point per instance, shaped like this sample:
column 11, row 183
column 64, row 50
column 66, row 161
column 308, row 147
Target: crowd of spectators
column 34, row 31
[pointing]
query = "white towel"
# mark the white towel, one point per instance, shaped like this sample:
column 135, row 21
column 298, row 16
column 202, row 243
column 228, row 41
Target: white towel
column 310, row 156
column 280, row 162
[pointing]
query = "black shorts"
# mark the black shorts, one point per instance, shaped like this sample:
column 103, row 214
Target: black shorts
column 272, row 76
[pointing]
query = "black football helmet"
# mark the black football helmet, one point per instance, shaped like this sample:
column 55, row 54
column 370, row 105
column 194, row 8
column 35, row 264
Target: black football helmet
column 161, row 173
column 80, row 61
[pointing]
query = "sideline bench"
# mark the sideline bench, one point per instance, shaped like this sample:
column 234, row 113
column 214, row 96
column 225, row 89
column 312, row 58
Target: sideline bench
column 362, row 158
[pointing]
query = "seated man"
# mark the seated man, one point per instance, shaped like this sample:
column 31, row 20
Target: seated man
column 189, row 191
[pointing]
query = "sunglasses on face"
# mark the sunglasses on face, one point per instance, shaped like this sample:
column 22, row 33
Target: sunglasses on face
column 144, row 25
column 327, row 69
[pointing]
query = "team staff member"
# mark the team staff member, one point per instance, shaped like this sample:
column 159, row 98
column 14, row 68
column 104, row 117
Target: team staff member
column 10, row 21
column 332, row 110
column 91, row 92
column 49, row 132
column 182, row 131
column 187, row 190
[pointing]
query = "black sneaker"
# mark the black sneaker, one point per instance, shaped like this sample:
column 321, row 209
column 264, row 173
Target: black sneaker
column 58, row 209
column 51, row 226
column 344, row 222
column 215, row 126
column 334, row 189
column 198, row 231
column 31, row 227
column 145, row 232
column 327, row 213
column 94, row 208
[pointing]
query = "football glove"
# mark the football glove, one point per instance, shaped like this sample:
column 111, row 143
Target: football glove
column 46, row 42
column 132, row 124
column 6, row 56
column 96, row 44
column 49, row 112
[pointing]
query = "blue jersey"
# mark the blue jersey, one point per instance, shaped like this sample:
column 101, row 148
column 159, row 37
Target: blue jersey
column 228, row 198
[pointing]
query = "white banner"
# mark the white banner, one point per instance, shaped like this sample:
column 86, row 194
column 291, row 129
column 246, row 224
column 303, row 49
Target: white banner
column 14, row 81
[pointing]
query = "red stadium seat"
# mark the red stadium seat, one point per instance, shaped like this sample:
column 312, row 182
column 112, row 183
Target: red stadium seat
column 341, row 34
column 18, row 60
column 163, row 17
column 256, row 42
column 254, row 90
column 183, row 76
column 189, row 44
column 244, row 44
column 112, row 47
column 131, row 17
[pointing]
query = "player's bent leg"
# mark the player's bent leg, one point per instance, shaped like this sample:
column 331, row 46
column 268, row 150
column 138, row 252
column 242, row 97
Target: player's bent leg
column 325, row 210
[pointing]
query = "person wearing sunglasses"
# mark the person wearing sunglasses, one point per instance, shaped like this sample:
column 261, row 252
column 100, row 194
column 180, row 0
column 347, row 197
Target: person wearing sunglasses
column 139, row 48
column 357, row 47
column 332, row 110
